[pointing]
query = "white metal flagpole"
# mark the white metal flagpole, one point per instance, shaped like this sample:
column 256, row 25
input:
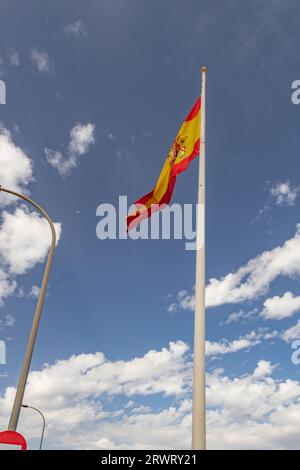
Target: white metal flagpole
column 199, row 402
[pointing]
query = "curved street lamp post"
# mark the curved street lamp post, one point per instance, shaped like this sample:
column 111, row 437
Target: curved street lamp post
column 14, row 418
column 44, row 423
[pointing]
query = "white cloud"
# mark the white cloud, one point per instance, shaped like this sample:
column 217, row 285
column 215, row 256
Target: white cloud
column 253, row 279
column 72, row 388
column 41, row 60
column 16, row 174
column 214, row 348
column 284, row 193
column 56, row 159
column 263, row 369
column 251, row 411
column 184, row 301
column 34, row 292
column 15, row 167
column 291, row 333
column 172, row 308
column 14, row 58
column 81, row 138
column 7, row 286
column 24, row 235
column 76, row 28
column 8, row 320
column 276, row 308
column 240, row 315
column 89, row 375
column 24, row 239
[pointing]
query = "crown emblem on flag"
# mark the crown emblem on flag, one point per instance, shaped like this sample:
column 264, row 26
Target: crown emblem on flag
column 178, row 149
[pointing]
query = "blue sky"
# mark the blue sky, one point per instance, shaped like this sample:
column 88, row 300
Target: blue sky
column 123, row 75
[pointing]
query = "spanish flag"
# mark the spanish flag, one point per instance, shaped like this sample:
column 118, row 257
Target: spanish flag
column 184, row 149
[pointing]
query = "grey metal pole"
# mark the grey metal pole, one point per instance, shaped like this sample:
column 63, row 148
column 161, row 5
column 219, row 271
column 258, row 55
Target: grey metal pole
column 44, row 422
column 199, row 400
column 14, row 418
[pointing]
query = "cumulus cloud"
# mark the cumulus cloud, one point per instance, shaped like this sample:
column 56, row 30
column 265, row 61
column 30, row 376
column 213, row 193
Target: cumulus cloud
column 156, row 372
column 277, row 308
column 214, row 348
column 284, row 193
column 251, row 280
column 75, row 28
column 24, row 239
column 24, row 235
column 251, row 411
column 15, row 167
column 263, row 369
column 7, row 285
column 41, row 60
column 71, row 388
column 291, row 333
column 81, row 138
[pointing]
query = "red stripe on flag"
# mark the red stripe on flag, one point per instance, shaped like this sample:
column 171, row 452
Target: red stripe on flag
column 181, row 166
column 134, row 220
column 193, row 113
column 144, row 199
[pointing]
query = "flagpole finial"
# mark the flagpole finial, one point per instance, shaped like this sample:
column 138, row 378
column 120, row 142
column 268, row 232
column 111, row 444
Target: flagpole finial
column 203, row 69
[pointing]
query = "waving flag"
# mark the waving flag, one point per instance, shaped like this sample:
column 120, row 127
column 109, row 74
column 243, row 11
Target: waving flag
column 184, row 149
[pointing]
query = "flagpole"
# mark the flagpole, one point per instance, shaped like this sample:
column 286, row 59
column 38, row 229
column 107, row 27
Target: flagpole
column 199, row 402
